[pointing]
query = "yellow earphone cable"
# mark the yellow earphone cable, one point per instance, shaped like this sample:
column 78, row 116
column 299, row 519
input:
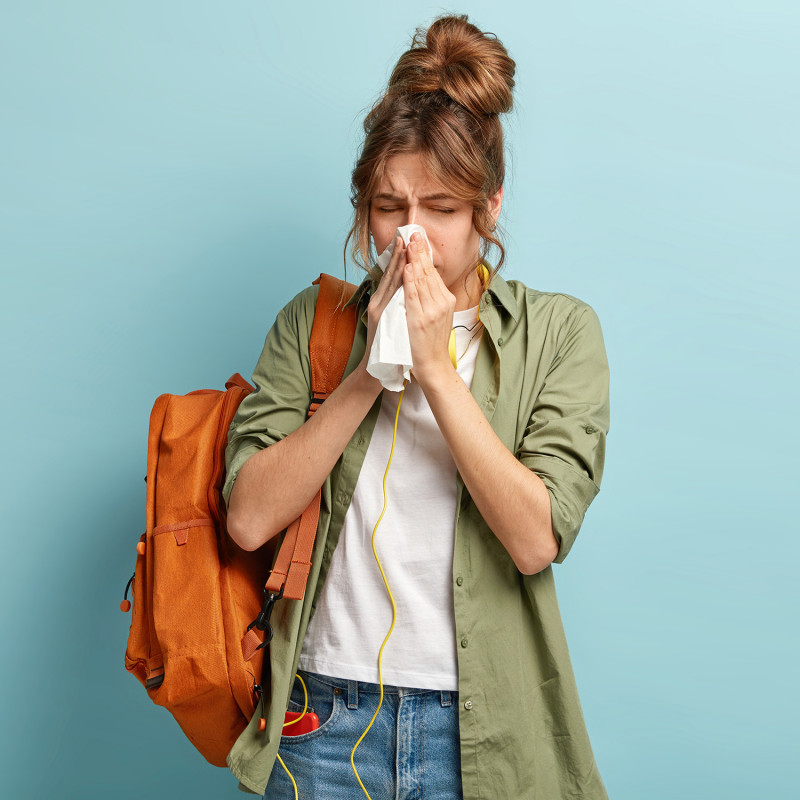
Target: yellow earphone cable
column 484, row 274
column 389, row 591
column 294, row 722
column 451, row 347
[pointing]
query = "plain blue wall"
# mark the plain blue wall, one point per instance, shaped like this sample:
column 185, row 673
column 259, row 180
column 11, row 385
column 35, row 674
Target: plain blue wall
column 171, row 173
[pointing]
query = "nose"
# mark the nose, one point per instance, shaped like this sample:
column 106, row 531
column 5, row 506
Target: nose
column 412, row 215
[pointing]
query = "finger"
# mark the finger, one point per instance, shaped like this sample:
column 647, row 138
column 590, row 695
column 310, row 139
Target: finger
column 422, row 278
column 390, row 279
column 397, row 253
column 431, row 281
column 398, row 257
column 397, row 262
column 409, row 284
column 394, row 272
column 420, row 253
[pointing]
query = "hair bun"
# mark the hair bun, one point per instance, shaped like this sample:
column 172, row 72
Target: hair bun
column 456, row 57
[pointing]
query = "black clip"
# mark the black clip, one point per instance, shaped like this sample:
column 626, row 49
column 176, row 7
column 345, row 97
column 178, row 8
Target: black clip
column 314, row 405
column 262, row 620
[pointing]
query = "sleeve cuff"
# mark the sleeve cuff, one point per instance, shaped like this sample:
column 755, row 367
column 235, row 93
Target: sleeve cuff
column 232, row 471
column 571, row 493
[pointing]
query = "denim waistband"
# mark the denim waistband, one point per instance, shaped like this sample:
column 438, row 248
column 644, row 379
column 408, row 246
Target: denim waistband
column 353, row 688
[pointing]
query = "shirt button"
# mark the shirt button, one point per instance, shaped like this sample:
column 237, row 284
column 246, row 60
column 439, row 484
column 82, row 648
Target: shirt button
column 459, row 580
column 344, row 497
column 468, row 705
column 464, row 642
column 500, row 341
column 590, row 429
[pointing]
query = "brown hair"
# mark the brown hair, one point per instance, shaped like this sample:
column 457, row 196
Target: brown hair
column 443, row 102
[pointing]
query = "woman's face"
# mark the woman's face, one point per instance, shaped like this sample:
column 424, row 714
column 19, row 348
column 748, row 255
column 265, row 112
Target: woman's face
column 408, row 195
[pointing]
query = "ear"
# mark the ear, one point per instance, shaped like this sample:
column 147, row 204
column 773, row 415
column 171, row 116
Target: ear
column 494, row 203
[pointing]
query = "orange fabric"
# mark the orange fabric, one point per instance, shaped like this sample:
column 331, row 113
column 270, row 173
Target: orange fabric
column 195, row 591
column 290, row 572
column 295, row 586
column 193, row 582
column 331, row 337
column 283, row 562
column 250, row 644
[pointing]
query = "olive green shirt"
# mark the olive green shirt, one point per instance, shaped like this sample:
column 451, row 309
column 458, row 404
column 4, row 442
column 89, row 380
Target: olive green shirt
column 541, row 379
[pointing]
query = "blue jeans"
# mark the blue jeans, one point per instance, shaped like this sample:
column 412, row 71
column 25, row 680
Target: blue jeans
column 411, row 750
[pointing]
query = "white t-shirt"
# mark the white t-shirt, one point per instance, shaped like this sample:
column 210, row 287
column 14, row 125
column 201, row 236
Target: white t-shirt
column 414, row 543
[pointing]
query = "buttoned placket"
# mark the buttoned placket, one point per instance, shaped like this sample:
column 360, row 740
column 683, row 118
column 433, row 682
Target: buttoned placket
column 485, row 388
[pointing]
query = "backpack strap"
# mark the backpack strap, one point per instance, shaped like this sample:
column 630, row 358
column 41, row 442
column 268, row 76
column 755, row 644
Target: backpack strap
column 329, row 348
column 331, row 337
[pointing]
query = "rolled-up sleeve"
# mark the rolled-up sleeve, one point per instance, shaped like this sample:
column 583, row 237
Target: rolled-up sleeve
column 282, row 381
column 565, row 439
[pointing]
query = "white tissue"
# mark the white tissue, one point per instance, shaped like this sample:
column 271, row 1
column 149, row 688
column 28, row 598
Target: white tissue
column 390, row 357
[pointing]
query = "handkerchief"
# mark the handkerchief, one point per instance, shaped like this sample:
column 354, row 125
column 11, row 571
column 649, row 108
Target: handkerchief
column 390, row 357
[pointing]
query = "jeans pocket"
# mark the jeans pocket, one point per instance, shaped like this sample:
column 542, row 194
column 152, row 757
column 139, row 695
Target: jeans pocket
column 323, row 700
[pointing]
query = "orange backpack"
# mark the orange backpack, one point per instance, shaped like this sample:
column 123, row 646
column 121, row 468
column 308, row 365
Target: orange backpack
column 200, row 605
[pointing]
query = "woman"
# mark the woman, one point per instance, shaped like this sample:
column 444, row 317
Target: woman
column 497, row 458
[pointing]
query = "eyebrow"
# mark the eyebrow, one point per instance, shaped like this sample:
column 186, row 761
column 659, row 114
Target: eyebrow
column 427, row 198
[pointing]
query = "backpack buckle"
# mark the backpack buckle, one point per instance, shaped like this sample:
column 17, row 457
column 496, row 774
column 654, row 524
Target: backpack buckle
column 262, row 620
column 314, row 405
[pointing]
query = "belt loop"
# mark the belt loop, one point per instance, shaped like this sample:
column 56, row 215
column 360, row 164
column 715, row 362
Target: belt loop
column 446, row 699
column 352, row 694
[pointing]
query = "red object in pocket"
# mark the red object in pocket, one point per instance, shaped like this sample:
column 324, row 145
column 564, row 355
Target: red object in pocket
column 309, row 722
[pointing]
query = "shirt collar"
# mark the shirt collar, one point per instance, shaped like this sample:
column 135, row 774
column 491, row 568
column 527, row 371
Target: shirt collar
column 361, row 294
column 505, row 297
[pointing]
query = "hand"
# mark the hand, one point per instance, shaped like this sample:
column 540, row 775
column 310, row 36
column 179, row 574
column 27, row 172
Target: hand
column 429, row 310
column 390, row 282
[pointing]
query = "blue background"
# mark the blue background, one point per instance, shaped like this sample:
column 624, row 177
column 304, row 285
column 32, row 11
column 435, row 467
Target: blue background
column 171, row 173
